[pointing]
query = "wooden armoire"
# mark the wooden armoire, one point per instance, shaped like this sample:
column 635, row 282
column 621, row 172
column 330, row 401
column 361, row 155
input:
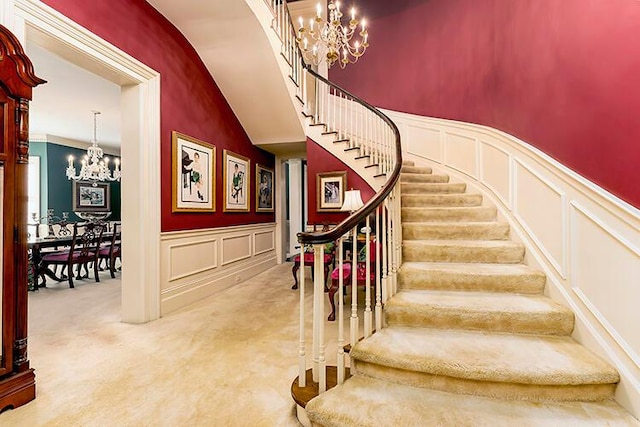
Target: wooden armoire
column 17, row 380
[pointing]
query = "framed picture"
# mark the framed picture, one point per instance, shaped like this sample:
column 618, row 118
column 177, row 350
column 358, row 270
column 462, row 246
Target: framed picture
column 237, row 185
column 264, row 189
column 88, row 197
column 330, row 190
column 193, row 179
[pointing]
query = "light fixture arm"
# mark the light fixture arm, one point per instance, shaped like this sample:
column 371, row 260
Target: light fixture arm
column 331, row 40
column 95, row 167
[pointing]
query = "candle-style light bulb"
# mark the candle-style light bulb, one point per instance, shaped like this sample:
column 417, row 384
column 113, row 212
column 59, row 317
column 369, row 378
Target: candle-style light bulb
column 70, row 158
column 353, row 13
column 363, row 24
column 318, row 10
column 301, row 22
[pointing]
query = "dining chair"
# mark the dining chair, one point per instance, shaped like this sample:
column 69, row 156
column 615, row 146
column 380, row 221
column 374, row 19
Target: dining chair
column 309, row 259
column 84, row 249
column 112, row 250
column 361, row 274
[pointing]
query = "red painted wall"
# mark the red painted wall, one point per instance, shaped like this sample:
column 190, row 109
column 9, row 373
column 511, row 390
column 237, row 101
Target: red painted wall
column 191, row 102
column 320, row 160
column 561, row 75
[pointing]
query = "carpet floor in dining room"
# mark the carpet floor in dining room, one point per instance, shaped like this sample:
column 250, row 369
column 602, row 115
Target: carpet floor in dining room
column 227, row 360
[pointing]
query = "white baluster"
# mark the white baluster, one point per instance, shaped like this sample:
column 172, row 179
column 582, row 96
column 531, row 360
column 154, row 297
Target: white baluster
column 341, row 355
column 385, row 252
column 318, row 291
column 368, row 314
column 378, row 273
column 392, row 231
column 302, row 357
column 354, row 289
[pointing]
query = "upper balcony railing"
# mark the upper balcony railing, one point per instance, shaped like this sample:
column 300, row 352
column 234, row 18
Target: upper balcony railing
column 375, row 254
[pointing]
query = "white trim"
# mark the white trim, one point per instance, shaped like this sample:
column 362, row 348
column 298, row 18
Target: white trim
column 170, row 248
column 593, row 218
column 255, row 235
column 607, row 326
column 239, row 258
column 559, row 266
column 508, row 203
column 141, row 241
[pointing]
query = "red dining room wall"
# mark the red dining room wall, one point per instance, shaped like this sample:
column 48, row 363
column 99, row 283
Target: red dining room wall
column 560, row 75
column 191, row 102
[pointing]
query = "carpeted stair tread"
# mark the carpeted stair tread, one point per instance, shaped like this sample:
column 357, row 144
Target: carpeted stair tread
column 517, row 278
column 465, row 213
column 416, row 169
column 451, row 200
column 486, row 311
column 430, row 188
column 485, row 356
column 491, row 230
column 423, row 177
column 472, row 251
column 368, row 402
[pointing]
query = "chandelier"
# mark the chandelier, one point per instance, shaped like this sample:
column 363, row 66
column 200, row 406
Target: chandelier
column 330, row 39
column 95, row 167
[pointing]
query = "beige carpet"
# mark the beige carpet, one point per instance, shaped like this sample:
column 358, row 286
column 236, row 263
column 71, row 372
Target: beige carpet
column 226, row 361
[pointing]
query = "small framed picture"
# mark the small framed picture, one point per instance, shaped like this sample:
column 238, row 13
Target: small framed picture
column 264, row 189
column 192, row 174
column 90, row 197
column 237, row 185
column 330, row 190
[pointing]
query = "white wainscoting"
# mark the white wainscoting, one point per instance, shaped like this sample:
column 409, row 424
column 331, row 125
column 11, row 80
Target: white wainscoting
column 585, row 239
column 199, row 263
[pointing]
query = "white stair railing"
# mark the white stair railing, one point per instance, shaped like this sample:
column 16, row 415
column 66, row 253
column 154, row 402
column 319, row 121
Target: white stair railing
column 370, row 135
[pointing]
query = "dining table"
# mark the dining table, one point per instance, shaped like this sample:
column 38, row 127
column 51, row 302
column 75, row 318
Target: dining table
column 35, row 246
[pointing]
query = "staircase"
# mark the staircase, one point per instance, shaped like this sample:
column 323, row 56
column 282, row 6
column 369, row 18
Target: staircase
column 470, row 338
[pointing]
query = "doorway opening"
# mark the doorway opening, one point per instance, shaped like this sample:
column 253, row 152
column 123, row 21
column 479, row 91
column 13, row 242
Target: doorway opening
column 140, row 149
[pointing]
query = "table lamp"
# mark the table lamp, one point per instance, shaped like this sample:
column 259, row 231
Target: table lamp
column 352, row 201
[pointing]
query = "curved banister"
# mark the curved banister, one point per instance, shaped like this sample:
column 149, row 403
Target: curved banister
column 361, row 127
column 309, row 238
column 359, row 215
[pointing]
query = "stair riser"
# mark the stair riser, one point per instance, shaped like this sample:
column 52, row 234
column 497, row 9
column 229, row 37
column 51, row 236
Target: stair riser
column 432, row 188
column 500, row 390
column 416, row 169
column 448, row 200
column 448, row 214
column 423, row 177
column 447, row 281
column 492, row 231
column 547, row 323
column 434, row 253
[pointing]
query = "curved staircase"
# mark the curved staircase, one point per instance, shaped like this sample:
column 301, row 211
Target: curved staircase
column 470, row 338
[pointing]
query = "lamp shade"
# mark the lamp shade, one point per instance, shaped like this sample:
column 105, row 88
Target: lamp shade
column 352, row 201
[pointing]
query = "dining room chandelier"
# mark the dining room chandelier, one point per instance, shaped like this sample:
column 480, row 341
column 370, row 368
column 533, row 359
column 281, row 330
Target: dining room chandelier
column 330, row 39
column 95, row 166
